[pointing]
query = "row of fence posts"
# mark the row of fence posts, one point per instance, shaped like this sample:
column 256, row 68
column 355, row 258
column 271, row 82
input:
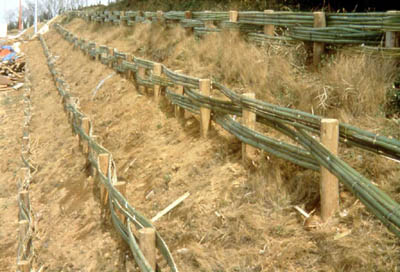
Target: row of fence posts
column 25, row 226
column 146, row 236
column 392, row 39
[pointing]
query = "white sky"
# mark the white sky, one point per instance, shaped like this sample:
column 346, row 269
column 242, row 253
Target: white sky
column 6, row 5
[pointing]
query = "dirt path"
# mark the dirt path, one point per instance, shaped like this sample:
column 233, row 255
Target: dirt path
column 11, row 121
column 70, row 235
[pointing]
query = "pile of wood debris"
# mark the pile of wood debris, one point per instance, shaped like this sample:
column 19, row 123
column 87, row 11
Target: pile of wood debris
column 12, row 74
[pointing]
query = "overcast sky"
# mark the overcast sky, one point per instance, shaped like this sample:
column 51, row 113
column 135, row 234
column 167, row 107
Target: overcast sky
column 6, row 5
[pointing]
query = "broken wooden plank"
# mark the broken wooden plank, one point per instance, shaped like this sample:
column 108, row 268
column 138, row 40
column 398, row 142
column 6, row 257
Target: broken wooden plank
column 170, row 207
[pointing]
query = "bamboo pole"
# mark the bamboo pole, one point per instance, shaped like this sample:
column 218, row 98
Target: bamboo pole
column 205, row 114
column 103, row 160
column 318, row 47
column 147, row 242
column 269, row 29
column 329, row 185
column 157, row 68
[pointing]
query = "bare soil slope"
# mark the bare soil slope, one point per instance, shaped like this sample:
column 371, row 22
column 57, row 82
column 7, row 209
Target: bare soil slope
column 11, row 121
column 70, row 235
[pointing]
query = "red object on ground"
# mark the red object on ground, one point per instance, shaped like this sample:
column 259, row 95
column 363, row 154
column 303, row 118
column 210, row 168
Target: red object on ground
column 4, row 52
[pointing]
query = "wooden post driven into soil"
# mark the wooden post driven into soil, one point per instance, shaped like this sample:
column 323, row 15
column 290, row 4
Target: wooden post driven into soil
column 269, row 29
column 188, row 15
column 205, row 114
column 23, row 229
column 157, row 68
column 249, row 120
column 121, row 187
column 179, row 112
column 91, row 154
column 147, row 243
column 129, row 73
column 318, row 47
column 24, row 266
column 392, row 38
column 103, row 160
column 233, row 16
column 329, row 186
column 86, row 128
column 141, row 73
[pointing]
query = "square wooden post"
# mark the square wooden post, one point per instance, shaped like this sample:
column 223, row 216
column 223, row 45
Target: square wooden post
column 205, row 113
column 147, row 243
column 269, row 29
column 141, row 73
column 318, row 47
column 329, row 186
column 85, row 125
column 249, row 120
column 392, row 38
column 157, row 69
column 103, row 161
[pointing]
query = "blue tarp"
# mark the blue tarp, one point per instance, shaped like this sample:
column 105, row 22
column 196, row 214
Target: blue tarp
column 10, row 56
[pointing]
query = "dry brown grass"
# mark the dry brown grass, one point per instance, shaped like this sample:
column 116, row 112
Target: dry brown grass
column 237, row 219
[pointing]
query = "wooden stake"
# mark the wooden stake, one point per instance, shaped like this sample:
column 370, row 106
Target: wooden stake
column 24, row 198
column 23, row 229
column 269, row 29
column 249, row 120
column 92, row 153
column 86, row 128
column 129, row 73
column 147, row 242
column 103, row 160
column 157, row 68
column 141, row 73
column 329, row 186
column 188, row 15
column 318, row 47
column 233, row 16
column 179, row 112
column 205, row 113
column 208, row 23
column 24, row 266
column 391, row 38
column 121, row 187
column 111, row 53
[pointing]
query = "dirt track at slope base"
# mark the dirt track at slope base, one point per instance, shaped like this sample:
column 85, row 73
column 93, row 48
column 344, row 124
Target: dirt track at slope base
column 11, row 121
column 70, row 235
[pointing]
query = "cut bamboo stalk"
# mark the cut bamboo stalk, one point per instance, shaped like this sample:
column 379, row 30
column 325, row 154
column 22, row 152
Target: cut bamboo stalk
column 205, row 114
column 86, row 128
column 103, row 160
column 157, row 72
column 269, row 29
column 170, row 207
column 249, row 120
column 147, row 243
column 329, row 186
column 23, row 266
column 121, row 187
column 391, row 38
column 318, row 47
column 141, row 73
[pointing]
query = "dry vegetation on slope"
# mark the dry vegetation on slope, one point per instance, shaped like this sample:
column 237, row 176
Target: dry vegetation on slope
column 236, row 219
